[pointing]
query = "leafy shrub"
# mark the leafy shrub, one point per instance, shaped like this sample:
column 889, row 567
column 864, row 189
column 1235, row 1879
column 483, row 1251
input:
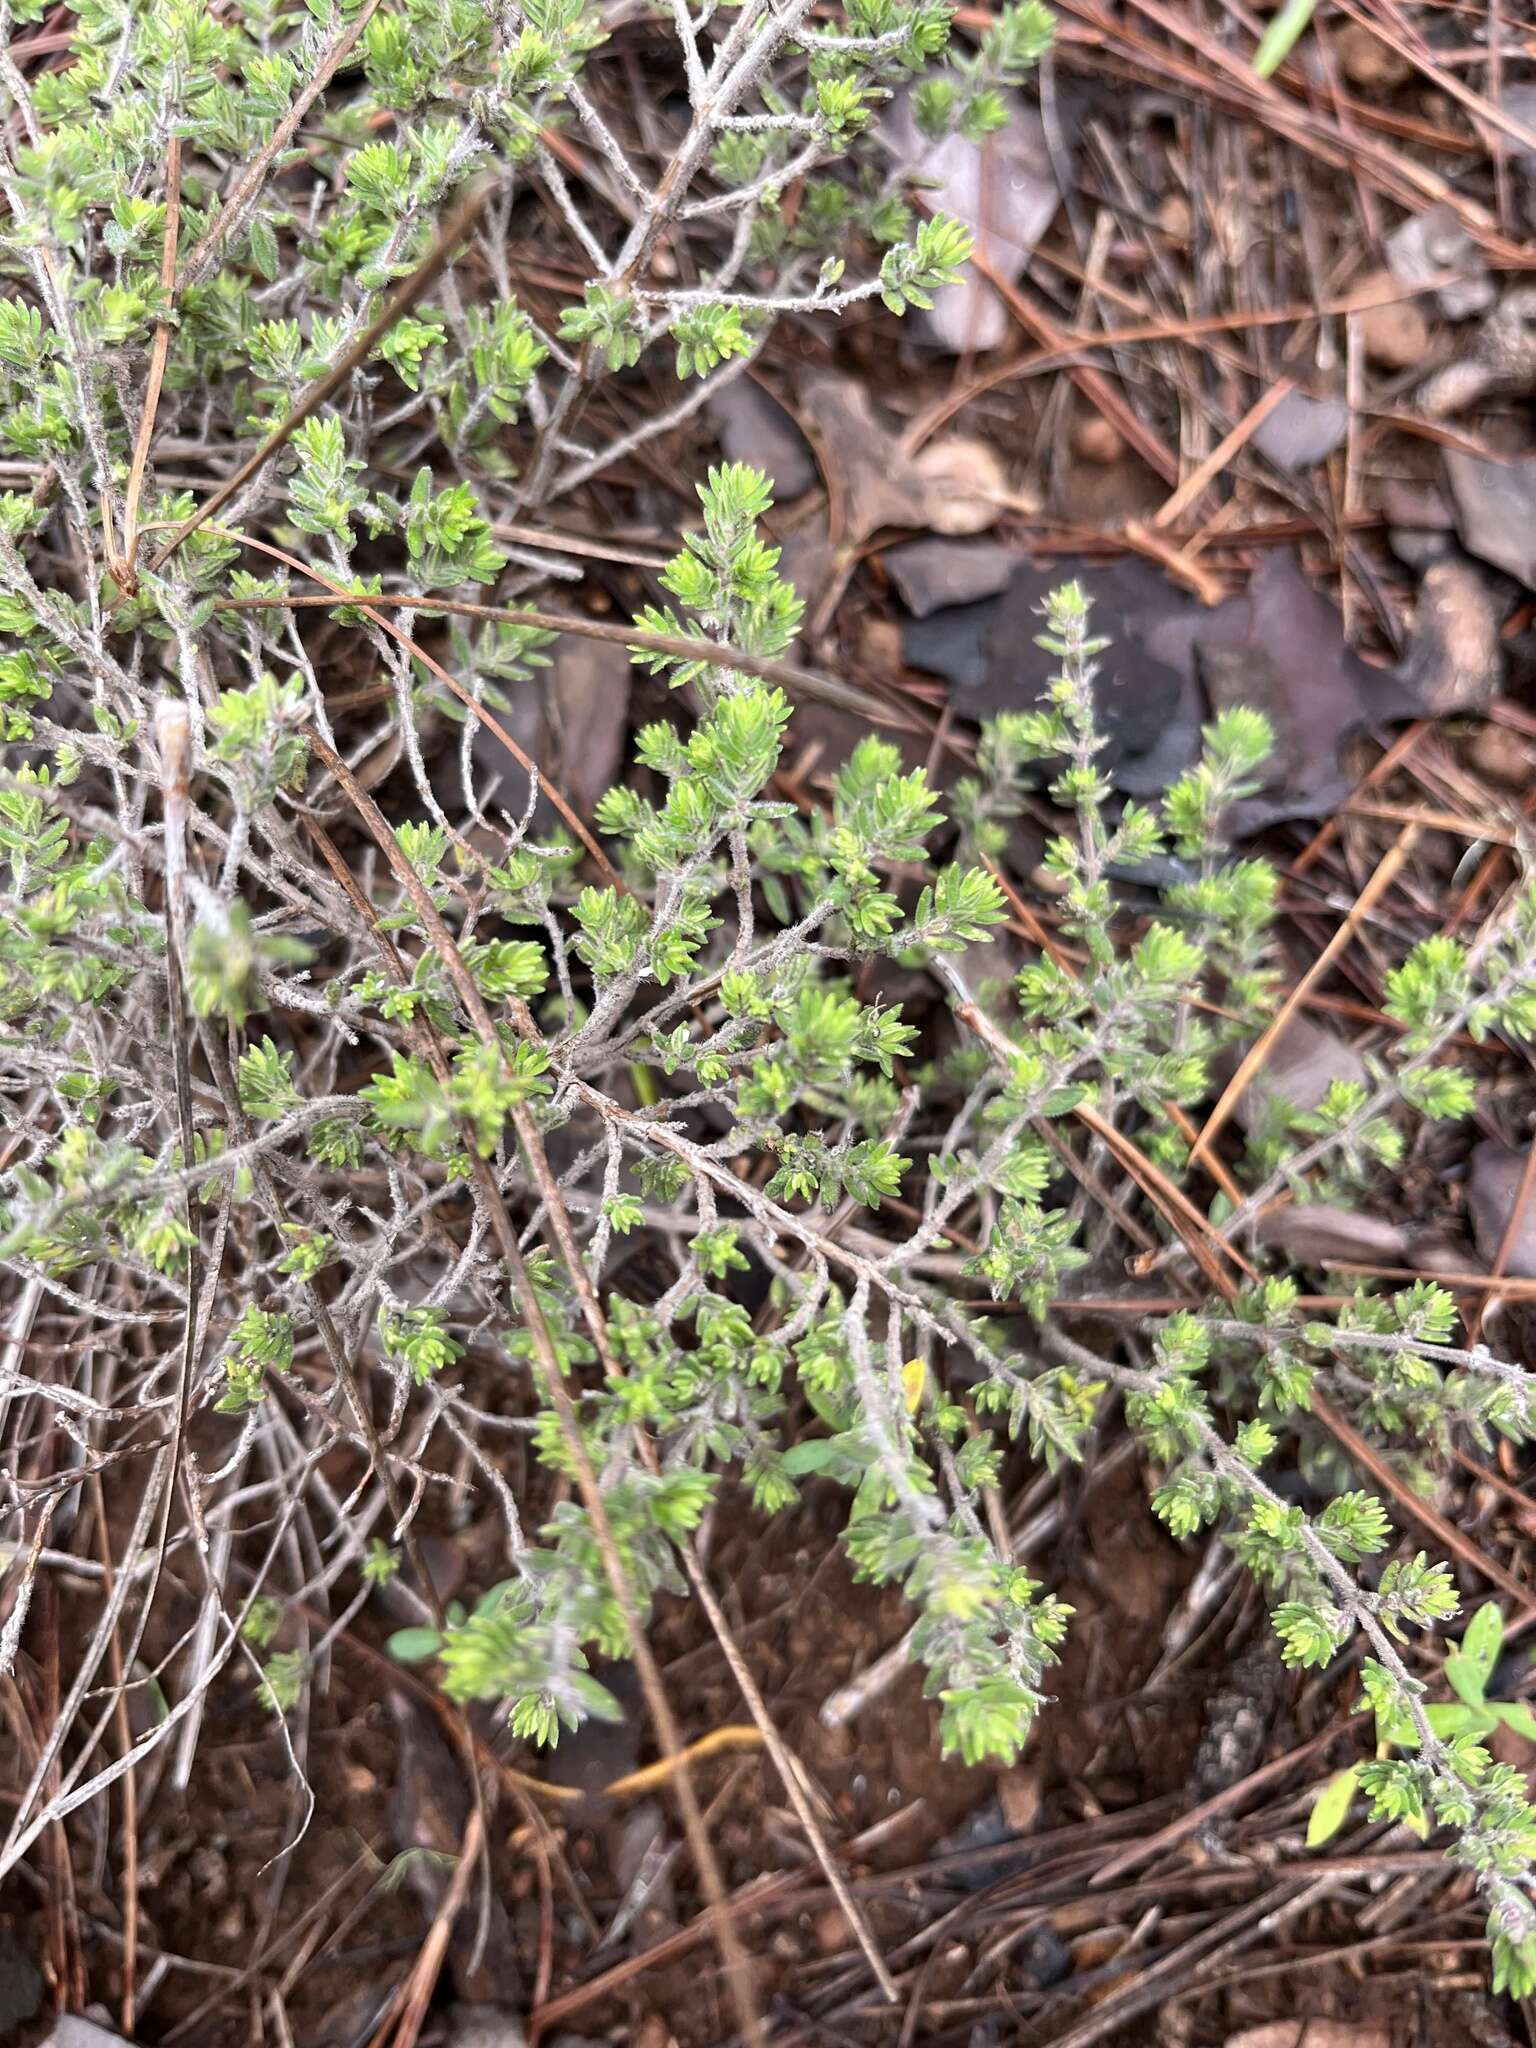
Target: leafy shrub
column 342, row 1154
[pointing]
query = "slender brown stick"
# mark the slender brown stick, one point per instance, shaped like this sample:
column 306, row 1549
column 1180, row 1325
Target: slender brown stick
column 1432, row 820
column 1202, row 1240
column 1258, row 1052
column 157, row 359
column 173, row 737
column 254, row 176
column 784, row 1763
column 1071, row 343
column 437, row 259
column 1194, row 485
column 805, row 682
column 415, row 1994
column 1486, row 110
column 1419, row 1509
column 551, row 1380
column 130, row 1912
column 1328, row 831
column 1096, row 385
column 1219, row 1803
column 1507, row 1242
column 470, row 703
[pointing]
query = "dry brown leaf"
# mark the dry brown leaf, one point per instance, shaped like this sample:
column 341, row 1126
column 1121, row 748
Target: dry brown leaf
column 1303, row 1064
column 1313, row 1233
column 1005, row 191
column 954, row 486
column 1493, row 1188
column 965, row 486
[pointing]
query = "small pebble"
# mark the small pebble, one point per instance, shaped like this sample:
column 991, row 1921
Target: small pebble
column 1095, row 440
column 1369, row 62
column 1302, row 431
column 1395, row 335
column 1502, row 755
column 1019, row 1794
column 831, row 1931
column 1175, row 219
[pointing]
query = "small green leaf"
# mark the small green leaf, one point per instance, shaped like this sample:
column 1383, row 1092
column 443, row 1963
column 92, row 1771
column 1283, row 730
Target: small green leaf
column 263, row 248
column 1331, row 1808
column 1516, row 1715
column 1465, row 1680
column 816, row 1454
column 1451, row 1719
column 1282, row 35
column 413, row 1645
column 1482, row 1641
column 1399, row 1731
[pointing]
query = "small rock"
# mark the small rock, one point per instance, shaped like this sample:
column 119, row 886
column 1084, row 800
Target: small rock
column 966, row 485
column 1420, row 521
column 1502, row 755
column 1493, row 1188
column 1395, row 334
column 929, row 574
column 983, row 1830
column 1430, row 1251
column 830, row 1931
column 483, row 2026
column 755, row 429
column 1302, row 1065
column 1414, row 501
column 1367, row 61
column 637, row 1845
column 1019, row 1793
column 880, row 644
column 1302, row 431
column 70, row 2031
column 1436, row 241
column 1496, row 510
column 21, row 1984
column 953, row 643
column 1044, row 1956
column 1456, row 660
column 1175, row 219
column 1417, row 549
column 1280, row 646
column 208, row 1874
column 1500, row 362
column 1520, row 101
column 1095, row 440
